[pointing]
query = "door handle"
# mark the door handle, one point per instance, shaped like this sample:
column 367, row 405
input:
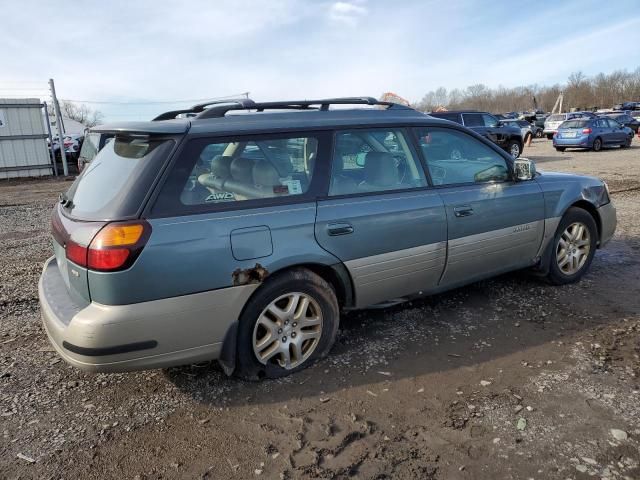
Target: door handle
column 462, row 211
column 339, row 229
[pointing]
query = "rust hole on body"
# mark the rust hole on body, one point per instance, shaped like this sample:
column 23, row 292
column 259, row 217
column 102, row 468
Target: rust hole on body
column 249, row 276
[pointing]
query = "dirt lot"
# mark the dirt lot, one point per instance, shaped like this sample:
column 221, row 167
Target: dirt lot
column 508, row 378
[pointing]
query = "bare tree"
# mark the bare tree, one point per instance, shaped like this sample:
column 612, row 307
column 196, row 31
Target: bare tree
column 582, row 92
column 81, row 113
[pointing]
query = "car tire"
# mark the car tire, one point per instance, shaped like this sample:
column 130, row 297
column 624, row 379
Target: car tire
column 514, row 148
column 560, row 149
column 627, row 142
column 597, row 144
column 266, row 311
column 549, row 136
column 571, row 256
column 539, row 134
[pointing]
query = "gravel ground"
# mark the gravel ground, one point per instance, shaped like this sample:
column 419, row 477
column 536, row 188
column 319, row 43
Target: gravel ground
column 507, row 378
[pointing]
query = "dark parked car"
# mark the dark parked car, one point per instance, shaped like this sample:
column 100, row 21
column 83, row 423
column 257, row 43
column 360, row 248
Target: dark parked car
column 508, row 137
column 593, row 133
column 242, row 237
column 94, row 141
column 625, row 119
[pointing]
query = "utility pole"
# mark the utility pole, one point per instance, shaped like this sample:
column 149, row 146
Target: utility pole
column 56, row 108
column 51, row 150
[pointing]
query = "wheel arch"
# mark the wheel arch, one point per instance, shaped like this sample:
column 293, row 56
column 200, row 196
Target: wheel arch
column 335, row 275
column 592, row 210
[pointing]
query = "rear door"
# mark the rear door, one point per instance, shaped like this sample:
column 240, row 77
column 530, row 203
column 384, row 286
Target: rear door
column 494, row 223
column 380, row 218
column 618, row 134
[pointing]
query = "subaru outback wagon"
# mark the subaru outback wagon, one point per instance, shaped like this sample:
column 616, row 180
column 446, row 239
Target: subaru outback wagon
column 242, row 233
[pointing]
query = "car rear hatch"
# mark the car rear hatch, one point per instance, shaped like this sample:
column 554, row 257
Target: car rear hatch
column 554, row 121
column 574, row 129
column 96, row 224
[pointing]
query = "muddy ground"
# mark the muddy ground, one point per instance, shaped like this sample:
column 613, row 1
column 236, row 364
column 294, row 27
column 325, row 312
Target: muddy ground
column 508, row 378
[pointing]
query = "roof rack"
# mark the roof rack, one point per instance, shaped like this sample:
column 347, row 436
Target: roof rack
column 245, row 102
column 219, row 108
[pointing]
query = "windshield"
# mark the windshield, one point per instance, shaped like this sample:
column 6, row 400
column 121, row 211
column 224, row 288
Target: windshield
column 115, row 183
column 575, row 124
column 556, row 118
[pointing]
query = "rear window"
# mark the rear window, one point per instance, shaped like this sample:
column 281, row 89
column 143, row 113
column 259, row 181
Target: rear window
column 114, row 184
column 576, row 124
column 556, row 118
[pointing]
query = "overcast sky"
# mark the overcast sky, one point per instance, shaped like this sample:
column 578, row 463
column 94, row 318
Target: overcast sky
column 126, row 51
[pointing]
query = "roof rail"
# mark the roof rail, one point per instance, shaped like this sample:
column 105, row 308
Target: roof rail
column 201, row 107
column 218, row 111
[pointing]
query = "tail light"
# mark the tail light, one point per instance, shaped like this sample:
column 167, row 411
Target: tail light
column 115, row 247
column 587, row 130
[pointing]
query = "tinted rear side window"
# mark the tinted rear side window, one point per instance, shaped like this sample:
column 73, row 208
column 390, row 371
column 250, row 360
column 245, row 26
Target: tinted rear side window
column 454, row 117
column 248, row 171
column 114, row 184
column 556, row 118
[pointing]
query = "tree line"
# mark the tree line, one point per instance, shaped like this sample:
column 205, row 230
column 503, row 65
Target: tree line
column 580, row 91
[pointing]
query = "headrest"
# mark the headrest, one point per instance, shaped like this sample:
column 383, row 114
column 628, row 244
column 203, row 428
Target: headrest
column 221, row 166
column 380, row 169
column 241, row 170
column 265, row 174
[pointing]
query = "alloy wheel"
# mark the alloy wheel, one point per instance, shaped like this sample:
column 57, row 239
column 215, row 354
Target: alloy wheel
column 288, row 330
column 515, row 150
column 573, row 248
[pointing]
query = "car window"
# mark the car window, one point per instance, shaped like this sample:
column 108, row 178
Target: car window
column 489, row 120
column 454, row 157
column 454, row 117
column 235, row 171
column 575, row 124
column 373, row 160
column 613, row 123
column 473, row 120
column 556, row 118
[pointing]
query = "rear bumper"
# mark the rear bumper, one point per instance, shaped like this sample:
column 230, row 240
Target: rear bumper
column 608, row 221
column 154, row 334
column 577, row 142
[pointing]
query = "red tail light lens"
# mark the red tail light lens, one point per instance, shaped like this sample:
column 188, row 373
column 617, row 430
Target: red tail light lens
column 587, row 130
column 77, row 253
column 106, row 260
column 115, row 247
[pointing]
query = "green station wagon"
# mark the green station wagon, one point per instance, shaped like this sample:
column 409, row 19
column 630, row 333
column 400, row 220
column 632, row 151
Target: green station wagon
column 241, row 233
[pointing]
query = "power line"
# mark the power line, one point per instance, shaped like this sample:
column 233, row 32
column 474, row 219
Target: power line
column 158, row 102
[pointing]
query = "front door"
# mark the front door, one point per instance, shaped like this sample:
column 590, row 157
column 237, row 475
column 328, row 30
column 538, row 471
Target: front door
column 380, row 218
column 494, row 223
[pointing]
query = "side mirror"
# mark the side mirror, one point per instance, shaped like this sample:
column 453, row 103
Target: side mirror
column 524, row 169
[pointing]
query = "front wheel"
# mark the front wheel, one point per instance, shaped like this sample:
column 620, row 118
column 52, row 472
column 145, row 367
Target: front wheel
column 514, row 148
column 539, row 134
column 597, row 145
column 288, row 324
column 574, row 246
column 627, row 142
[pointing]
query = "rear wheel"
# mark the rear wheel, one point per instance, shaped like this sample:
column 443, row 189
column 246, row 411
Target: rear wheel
column 549, row 136
column 560, row 149
column 539, row 134
column 574, row 246
column 289, row 323
column 597, row 145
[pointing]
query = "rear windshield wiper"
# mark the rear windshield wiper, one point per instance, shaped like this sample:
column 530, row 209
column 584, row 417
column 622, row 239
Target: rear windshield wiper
column 65, row 201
